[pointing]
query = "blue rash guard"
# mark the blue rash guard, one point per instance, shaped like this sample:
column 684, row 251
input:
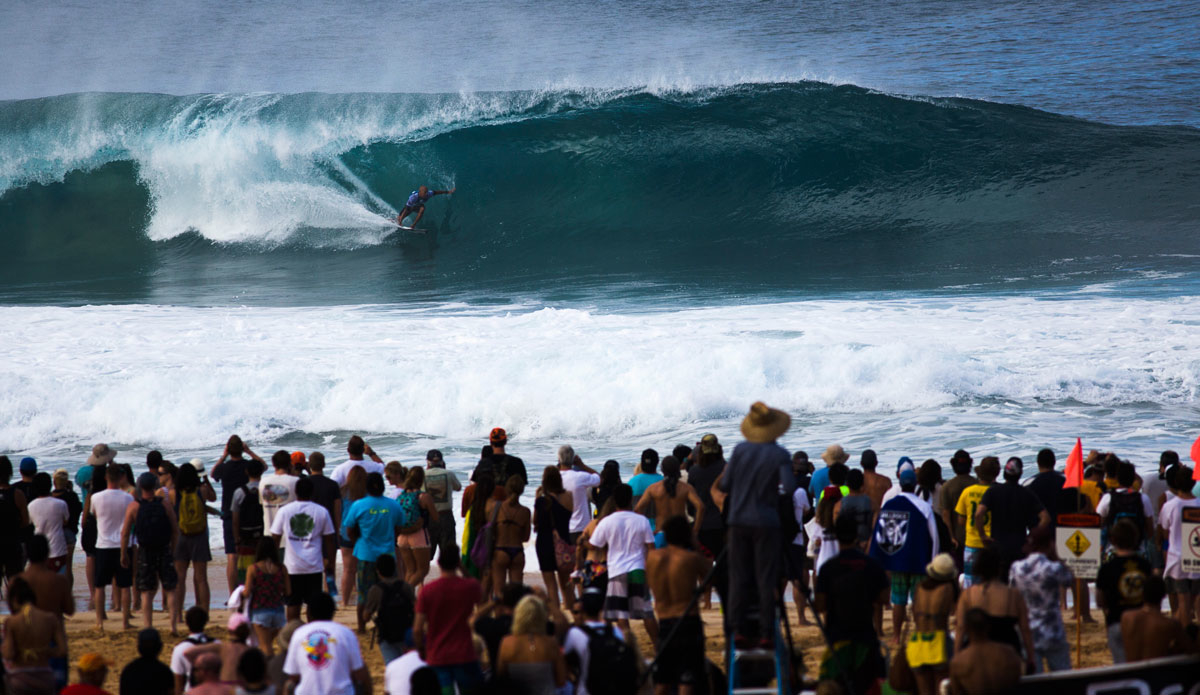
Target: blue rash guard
column 416, row 200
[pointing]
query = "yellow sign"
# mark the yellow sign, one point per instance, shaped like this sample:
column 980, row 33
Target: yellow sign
column 1078, row 543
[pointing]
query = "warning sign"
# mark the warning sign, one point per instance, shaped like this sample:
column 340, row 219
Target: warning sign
column 1079, row 543
column 1190, row 552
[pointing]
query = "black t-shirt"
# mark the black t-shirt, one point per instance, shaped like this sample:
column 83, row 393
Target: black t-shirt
column 145, row 676
column 74, row 508
column 1121, row 580
column 231, row 474
column 702, row 479
column 850, row 583
column 501, row 466
column 1014, row 510
column 1047, row 487
column 25, row 488
column 325, row 493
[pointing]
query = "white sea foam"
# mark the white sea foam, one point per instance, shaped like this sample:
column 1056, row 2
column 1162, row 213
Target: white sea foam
column 916, row 373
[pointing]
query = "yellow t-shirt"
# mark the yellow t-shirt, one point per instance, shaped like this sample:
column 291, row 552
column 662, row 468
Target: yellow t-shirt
column 1091, row 490
column 968, row 503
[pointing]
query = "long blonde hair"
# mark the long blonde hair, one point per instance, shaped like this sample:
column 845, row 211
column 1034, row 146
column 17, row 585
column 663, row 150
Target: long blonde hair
column 530, row 617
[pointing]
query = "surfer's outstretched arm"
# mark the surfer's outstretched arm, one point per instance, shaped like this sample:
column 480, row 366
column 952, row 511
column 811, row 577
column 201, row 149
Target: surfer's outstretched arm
column 446, row 192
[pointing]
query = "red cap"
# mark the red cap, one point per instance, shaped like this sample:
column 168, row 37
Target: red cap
column 298, row 458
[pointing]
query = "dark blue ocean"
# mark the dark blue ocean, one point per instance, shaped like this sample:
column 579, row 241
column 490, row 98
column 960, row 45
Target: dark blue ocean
column 915, row 226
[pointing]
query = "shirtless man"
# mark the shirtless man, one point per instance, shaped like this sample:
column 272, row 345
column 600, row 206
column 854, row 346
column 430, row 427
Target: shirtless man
column 674, row 572
column 208, row 677
column 1147, row 633
column 984, row 667
column 53, row 589
column 670, row 497
column 32, row 637
column 874, row 484
column 227, row 653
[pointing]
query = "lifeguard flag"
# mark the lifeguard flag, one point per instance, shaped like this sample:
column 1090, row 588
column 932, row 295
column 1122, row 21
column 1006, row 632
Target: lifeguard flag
column 1074, row 470
column 1196, row 459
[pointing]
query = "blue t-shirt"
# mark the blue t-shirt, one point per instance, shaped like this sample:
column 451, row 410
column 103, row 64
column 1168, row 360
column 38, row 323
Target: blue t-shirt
column 819, row 481
column 642, row 481
column 377, row 519
column 416, row 200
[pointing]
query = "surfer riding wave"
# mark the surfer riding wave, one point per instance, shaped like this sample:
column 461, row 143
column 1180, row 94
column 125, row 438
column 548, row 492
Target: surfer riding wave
column 416, row 203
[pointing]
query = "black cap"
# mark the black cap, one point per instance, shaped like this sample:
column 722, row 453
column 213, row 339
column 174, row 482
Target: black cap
column 433, row 455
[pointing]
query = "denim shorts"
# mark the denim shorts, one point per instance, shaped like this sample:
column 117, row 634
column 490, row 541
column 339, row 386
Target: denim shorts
column 270, row 618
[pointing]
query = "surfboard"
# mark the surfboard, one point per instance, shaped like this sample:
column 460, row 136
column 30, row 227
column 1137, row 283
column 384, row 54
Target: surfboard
column 412, row 229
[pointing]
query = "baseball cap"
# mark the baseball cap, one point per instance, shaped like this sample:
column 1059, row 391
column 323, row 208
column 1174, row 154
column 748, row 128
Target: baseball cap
column 498, row 436
column 433, row 455
column 709, row 444
column 650, row 456
column 29, row 465
column 908, row 476
column 904, row 461
column 298, row 458
column 1013, row 466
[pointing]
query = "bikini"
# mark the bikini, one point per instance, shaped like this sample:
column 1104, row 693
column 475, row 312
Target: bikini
column 511, row 551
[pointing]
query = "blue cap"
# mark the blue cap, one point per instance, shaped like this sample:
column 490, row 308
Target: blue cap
column 147, row 481
column 908, row 477
column 904, row 460
column 29, row 465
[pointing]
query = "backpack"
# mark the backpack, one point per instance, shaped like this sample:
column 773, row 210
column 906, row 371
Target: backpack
column 410, row 510
column 191, row 512
column 1127, row 505
column 152, row 527
column 612, row 663
column 250, row 518
column 396, row 612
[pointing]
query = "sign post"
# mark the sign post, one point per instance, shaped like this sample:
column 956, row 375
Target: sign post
column 1190, row 540
column 1078, row 543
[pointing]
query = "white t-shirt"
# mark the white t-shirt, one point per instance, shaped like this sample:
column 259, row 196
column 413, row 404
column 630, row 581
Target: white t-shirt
column 48, row 515
column 109, row 508
column 392, row 492
column 800, row 506
column 577, row 483
column 397, row 677
column 339, row 474
column 303, row 526
column 180, row 666
column 274, row 491
column 1171, row 518
column 626, row 535
column 324, row 654
column 577, row 643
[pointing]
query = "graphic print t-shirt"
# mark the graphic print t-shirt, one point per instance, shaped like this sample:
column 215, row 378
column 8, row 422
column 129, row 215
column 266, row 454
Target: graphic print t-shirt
column 303, row 526
column 274, row 491
column 323, row 654
column 1122, row 580
column 968, row 503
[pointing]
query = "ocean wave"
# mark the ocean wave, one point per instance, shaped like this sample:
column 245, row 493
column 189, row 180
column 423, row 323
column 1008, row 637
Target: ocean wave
column 749, row 172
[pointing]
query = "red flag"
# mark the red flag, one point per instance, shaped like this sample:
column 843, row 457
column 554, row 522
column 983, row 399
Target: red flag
column 1074, row 470
column 1196, row 459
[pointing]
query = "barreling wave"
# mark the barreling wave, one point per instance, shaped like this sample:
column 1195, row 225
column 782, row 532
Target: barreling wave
column 796, row 177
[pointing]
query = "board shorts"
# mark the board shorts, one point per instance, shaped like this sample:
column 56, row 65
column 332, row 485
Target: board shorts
column 193, row 547
column 109, row 569
column 365, row 577
column 904, row 587
column 1182, row 586
column 304, row 587
column 928, row 649
column 155, row 565
column 797, row 564
column 627, row 597
column 681, row 661
column 87, row 537
column 227, row 532
column 860, row 662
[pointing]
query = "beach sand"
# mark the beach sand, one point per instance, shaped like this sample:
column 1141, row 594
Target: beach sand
column 121, row 646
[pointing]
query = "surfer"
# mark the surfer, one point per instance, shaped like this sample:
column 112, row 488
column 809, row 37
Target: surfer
column 416, row 203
